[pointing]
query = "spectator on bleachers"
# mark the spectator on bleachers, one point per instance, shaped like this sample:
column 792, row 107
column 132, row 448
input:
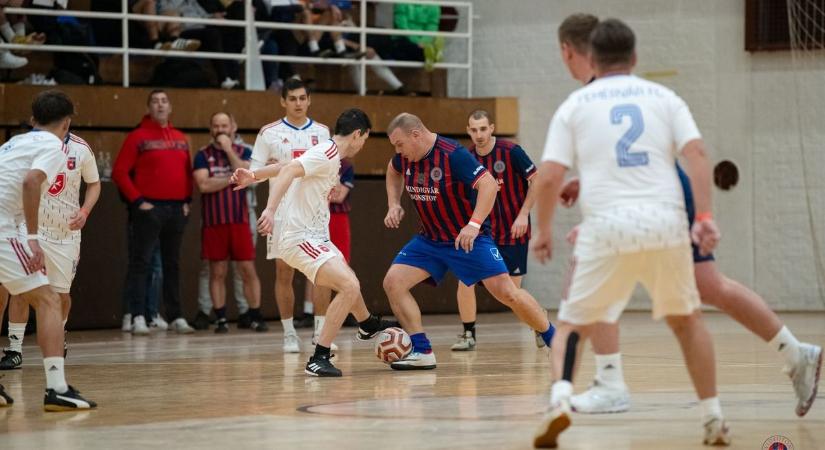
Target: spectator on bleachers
column 153, row 171
column 8, row 60
column 329, row 12
column 156, row 40
column 411, row 48
column 213, row 39
column 284, row 42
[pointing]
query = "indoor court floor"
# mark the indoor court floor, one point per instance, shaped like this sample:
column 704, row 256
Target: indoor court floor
column 240, row 391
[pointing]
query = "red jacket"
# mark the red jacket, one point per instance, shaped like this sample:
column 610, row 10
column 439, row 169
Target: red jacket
column 154, row 164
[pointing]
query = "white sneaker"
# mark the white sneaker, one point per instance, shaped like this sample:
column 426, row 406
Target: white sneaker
column 188, row 45
column 292, row 343
column 415, row 361
column 159, row 324
column 10, row 61
column 555, row 421
column 805, row 376
column 466, row 342
column 229, row 83
column 126, row 325
column 139, row 326
column 181, row 326
column 317, row 336
column 601, row 398
column 717, row 432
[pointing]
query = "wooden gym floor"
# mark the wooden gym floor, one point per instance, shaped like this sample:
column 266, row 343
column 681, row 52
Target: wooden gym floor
column 240, row 391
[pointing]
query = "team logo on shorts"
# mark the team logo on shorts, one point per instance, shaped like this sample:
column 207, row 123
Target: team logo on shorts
column 314, row 139
column 499, row 166
column 422, row 178
column 777, row 443
column 59, row 184
column 496, row 254
column 436, row 174
column 71, row 163
column 324, row 248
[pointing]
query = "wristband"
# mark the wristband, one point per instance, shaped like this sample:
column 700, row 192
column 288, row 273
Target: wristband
column 703, row 216
column 32, row 237
column 475, row 224
column 254, row 177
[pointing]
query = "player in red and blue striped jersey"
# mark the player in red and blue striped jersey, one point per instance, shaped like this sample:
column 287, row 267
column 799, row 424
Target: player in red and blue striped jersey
column 453, row 195
column 510, row 218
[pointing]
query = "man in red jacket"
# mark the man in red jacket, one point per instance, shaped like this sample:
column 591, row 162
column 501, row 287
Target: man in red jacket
column 153, row 171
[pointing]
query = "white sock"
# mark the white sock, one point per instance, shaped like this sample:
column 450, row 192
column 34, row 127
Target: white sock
column 319, row 324
column 339, row 46
column 308, row 307
column 710, row 408
column 55, row 378
column 386, row 74
column 6, row 31
column 562, row 390
column 19, row 29
column 609, row 369
column 17, row 331
column 64, row 324
column 288, row 326
column 313, row 46
column 785, row 342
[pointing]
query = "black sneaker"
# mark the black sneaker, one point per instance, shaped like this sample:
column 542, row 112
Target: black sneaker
column 244, row 321
column 221, row 327
column 67, row 401
column 11, row 360
column 259, row 326
column 5, row 399
column 373, row 326
column 321, row 366
column 201, row 321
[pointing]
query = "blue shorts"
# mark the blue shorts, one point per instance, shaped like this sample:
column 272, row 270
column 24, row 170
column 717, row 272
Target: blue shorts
column 688, row 193
column 436, row 258
column 515, row 258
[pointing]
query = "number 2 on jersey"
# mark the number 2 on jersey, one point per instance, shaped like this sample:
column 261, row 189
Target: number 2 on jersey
column 625, row 157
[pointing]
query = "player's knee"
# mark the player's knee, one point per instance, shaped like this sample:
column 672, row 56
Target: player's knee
column 714, row 290
column 350, row 287
column 283, row 274
column 680, row 324
column 217, row 272
column 392, row 285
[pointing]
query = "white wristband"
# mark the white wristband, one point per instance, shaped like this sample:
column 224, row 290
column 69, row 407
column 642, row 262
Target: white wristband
column 475, row 225
column 32, row 237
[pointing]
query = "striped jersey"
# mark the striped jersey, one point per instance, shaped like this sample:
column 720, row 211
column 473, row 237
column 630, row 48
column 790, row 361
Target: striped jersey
column 346, row 177
column 62, row 200
column 226, row 206
column 513, row 170
column 304, row 210
column 36, row 149
column 442, row 188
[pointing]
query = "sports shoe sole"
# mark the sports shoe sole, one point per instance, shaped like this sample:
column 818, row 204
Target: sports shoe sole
column 612, row 410
column 552, row 429
column 806, row 406
column 463, row 349
column 313, row 374
column 411, row 367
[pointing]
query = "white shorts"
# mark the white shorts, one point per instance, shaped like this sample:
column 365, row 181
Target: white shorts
column 61, row 263
column 14, row 275
column 601, row 287
column 308, row 256
column 272, row 251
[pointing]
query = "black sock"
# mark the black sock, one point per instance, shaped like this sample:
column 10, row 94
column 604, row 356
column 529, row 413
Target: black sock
column 370, row 324
column 320, row 350
column 255, row 313
column 220, row 314
column 471, row 327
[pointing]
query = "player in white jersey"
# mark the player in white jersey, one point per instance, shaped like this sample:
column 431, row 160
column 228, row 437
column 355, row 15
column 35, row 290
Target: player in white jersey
column 30, row 163
column 61, row 218
column 300, row 190
column 624, row 134
column 282, row 141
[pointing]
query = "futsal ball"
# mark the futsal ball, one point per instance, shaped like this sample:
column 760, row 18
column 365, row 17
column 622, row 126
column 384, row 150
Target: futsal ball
column 393, row 344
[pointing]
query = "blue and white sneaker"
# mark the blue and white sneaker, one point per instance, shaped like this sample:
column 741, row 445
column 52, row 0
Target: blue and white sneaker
column 415, row 361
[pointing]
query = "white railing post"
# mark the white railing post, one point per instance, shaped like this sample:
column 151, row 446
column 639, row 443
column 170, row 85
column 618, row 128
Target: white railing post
column 251, row 39
column 124, row 23
column 470, row 51
column 362, row 41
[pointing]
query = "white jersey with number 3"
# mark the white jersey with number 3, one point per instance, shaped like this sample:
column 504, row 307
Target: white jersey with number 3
column 624, row 134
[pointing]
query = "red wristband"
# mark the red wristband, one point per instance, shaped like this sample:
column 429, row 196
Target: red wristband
column 703, row 216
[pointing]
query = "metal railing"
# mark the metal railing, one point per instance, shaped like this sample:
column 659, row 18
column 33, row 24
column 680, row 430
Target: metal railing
column 251, row 28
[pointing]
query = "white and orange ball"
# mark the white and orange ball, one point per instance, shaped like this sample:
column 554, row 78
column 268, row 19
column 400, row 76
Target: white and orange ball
column 393, row 344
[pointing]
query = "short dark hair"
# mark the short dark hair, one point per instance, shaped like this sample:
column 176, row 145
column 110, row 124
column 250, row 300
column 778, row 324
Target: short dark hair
column 52, row 106
column 351, row 120
column 479, row 114
column 291, row 85
column 575, row 30
column 153, row 93
column 612, row 43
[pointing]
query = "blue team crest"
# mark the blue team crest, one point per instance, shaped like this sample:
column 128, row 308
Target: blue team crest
column 499, row 166
column 71, row 162
column 436, row 174
column 496, row 254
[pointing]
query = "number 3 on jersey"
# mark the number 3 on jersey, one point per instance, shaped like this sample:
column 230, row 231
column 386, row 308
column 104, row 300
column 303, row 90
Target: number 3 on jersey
column 625, row 157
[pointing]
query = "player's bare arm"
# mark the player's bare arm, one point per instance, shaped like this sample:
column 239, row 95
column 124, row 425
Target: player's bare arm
column 548, row 186
column 244, row 177
column 78, row 219
column 278, row 187
column 522, row 222
column 31, row 206
column 207, row 184
column 487, row 188
column 395, row 183
column 704, row 232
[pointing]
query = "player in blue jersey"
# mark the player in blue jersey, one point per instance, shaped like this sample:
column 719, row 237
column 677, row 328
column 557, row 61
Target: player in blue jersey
column 453, row 194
